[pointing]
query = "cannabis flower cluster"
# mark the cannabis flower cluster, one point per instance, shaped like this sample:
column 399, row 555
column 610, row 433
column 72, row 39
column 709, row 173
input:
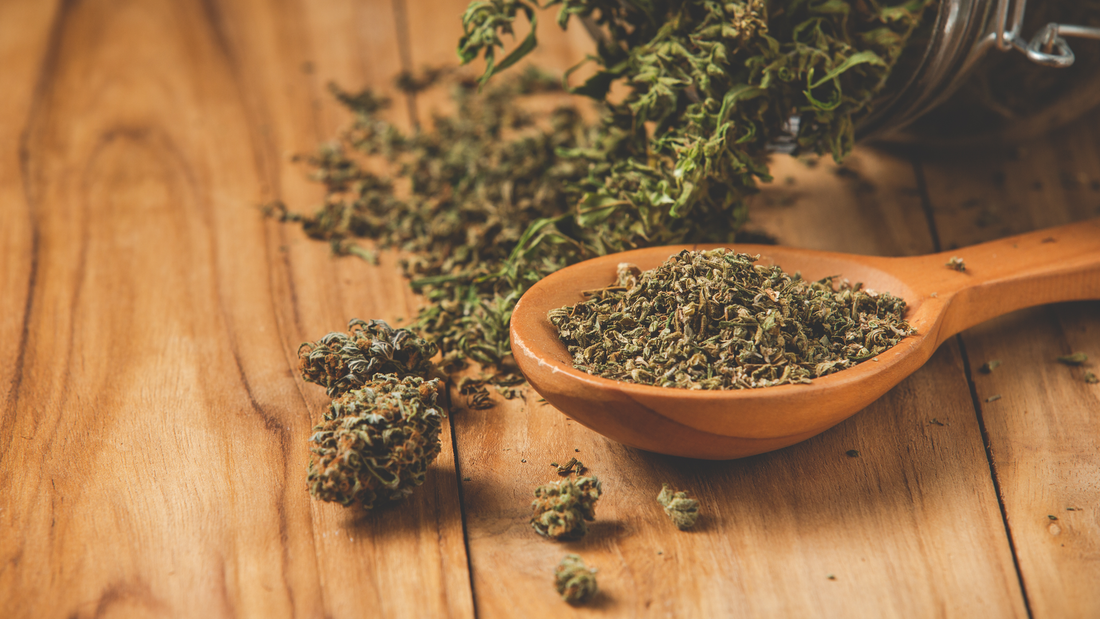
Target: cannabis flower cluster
column 382, row 429
column 678, row 507
column 340, row 362
column 561, row 508
column 575, row 582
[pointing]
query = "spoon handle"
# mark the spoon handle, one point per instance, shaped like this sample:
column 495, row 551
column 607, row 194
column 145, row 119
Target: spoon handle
column 1037, row 268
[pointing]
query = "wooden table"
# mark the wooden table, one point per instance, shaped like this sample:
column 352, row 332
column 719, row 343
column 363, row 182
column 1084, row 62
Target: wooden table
column 153, row 427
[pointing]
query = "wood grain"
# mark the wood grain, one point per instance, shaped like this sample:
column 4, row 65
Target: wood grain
column 1042, row 430
column 155, row 452
column 153, row 427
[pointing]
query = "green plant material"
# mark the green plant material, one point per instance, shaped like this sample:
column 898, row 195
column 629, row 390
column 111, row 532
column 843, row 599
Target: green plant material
column 1077, row 358
column 956, row 263
column 709, row 86
column 989, row 366
column 498, row 198
column 682, row 510
column 486, row 213
column 575, row 582
column 561, row 508
column 852, row 453
column 340, row 362
column 376, row 442
column 1091, row 379
column 714, row 320
column 573, row 466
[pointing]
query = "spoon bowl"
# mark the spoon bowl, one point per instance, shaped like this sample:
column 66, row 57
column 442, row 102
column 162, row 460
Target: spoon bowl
column 1049, row 266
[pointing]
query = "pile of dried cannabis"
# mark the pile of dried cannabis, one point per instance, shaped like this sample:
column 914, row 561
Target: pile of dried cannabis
column 561, row 508
column 382, row 429
column 714, row 320
column 498, row 197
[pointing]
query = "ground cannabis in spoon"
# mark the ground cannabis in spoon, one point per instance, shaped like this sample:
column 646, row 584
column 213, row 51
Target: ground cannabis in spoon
column 561, row 508
column 575, row 582
column 679, row 508
column 716, row 320
column 376, row 442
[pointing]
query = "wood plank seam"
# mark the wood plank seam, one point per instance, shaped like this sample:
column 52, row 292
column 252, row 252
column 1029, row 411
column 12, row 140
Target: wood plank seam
column 930, row 216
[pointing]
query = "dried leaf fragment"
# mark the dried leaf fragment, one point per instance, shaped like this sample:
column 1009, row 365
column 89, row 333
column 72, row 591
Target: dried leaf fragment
column 1077, row 358
column 989, row 366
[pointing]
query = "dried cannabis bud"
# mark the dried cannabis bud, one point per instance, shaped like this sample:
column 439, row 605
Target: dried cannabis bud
column 714, row 320
column 376, row 442
column 1091, row 378
column 682, row 510
column 340, row 362
column 1077, row 358
column 575, row 582
column 561, row 508
column 956, row 263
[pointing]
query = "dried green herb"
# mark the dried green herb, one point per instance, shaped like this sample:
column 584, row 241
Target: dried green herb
column 989, row 366
column 376, row 442
column 852, row 453
column 956, row 263
column 573, row 466
column 682, row 510
column 1077, row 358
column 715, row 320
column 561, row 508
column 1091, row 379
column 497, row 198
column 340, row 362
column 710, row 86
column 575, row 582
column 484, row 208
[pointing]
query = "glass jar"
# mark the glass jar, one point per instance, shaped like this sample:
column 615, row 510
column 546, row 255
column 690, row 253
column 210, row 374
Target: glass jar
column 970, row 76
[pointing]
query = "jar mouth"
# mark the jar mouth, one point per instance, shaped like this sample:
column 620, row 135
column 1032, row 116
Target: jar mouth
column 925, row 77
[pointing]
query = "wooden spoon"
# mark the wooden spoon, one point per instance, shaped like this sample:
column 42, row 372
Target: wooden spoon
column 1048, row 266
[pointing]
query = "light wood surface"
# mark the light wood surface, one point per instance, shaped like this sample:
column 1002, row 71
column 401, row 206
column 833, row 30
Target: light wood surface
column 153, row 429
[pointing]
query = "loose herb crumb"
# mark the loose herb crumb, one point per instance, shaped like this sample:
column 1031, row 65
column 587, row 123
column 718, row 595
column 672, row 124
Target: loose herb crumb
column 989, row 366
column 993, row 398
column 1091, row 378
column 852, row 453
column 956, row 263
column 573, row 466
column 1077, row 358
